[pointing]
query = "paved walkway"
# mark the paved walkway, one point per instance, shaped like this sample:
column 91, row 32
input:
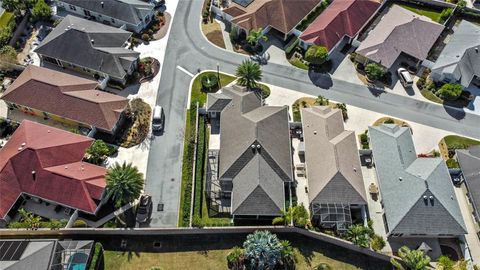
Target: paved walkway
column 471, row 237
column 226, row 36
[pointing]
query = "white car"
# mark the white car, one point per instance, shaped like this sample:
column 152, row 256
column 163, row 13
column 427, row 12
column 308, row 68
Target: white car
column 405, row 77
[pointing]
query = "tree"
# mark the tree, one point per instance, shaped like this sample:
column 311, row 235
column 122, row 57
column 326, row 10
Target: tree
column 8, row 57
column 5, row 36
column 298, row 214
column 449, row 91
column 14, row 5
column 359, row 235
column 249, row 73
column 374, row 71
column 31, row 221
column 377, row 242
column 255, row 36
column 263, row 250
column 288, row 254
column 124, row 183
column 97, row 152
column 235, row 258
column 41, row 11
column 412, row 259
column 316, row 55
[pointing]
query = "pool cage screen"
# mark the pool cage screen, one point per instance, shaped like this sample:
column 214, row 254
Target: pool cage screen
column 332, row 215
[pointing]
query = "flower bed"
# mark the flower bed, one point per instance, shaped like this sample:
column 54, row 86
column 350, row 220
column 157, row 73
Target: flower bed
column 148, row 68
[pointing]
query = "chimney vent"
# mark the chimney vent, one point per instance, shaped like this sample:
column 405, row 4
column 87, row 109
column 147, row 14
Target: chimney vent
column 102, row 4
column 34, row 175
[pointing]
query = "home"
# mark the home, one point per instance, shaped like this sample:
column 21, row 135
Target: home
column 339, row 23
column 459, row 61
column 45, row 254
column 400, row 35
column 469, row 160
column 90, row 48
column 417, row 195
column 335, row 183
column 281, row 16
column 132, row 15
column 66, row 99
column 41, row 170
column 254, row 170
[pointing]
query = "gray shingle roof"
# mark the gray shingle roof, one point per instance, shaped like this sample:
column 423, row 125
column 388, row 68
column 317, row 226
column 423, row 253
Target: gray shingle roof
column 404, row 182
column 131, row 11
column 89, row 44
column 470, row 164
column 400, row 30
column 216, row 102
column 461, row 56
column 259, row 174
column 335, row 175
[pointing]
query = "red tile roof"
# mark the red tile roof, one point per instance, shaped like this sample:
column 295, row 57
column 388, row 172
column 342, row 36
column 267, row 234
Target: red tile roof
column 67, row 96
column 282, row 15
column 55, row 157
column 342, row 17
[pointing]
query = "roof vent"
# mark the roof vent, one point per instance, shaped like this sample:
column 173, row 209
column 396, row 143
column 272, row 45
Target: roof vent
column 314, row 132
column 259, row 146
column 48, row 131
column 23, row 144
column 101, row 3
column 400, row 178
column 354, row 169
column 34, row 174
column 476, row 49
column 431, row 198
column 425, row 197
column 92, row 41
column 66, row 167
column 19, row 148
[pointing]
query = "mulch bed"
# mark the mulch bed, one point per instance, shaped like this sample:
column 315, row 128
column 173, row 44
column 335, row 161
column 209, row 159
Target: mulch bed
column 155, row 69
column 162, row 32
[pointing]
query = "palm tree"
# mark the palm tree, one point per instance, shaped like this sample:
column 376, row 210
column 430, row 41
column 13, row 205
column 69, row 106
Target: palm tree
column 263, row 250
column 254, row 36
column 235, row 258
column 412, row 259
column 359, row 235
column 31, row 221
column 288, row 254
column 285, row 218
column 249, row 73
column 124, row 183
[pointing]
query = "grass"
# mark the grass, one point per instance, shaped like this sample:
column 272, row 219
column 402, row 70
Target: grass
column 454, row 142
column 431, row 96
column 389, row 119
column 298, row 63
column 432, row 14
column 308, row 255
column 213, row 32
column 5, row 19
column 201, row 96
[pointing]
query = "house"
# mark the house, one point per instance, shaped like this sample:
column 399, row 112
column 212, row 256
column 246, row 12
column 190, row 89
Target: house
column 254, row 158
column 281, row 15
column 339, row 23
column 417, row 194
column 459, row 61
column 90, row 48
column 469, row 160
column 133, row 15
column 45, row 254
column 65, row 98
column 400, row 32
column 335, row 183
column 41, row 170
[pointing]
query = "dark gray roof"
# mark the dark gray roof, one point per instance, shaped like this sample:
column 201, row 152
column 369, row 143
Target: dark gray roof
column 89, row 44
column 461, row 56
column 131, row 11
column 216, row 102
column 400, row 30
column 258, row 174
column 470, row 164
column 335, row 175
column 405, row 181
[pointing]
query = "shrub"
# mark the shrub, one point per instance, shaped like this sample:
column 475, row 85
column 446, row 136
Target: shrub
column 421, row 83
column 316, row 55
column 80, row 224
column 389, row 121
column 377, row 242
column 145, row 37
column 41, row 11
column 209, row 81
column 452, row 163
column 323, row 266
column 364, row 138
column 374, row 71
column 449, row 91
column 98, row 152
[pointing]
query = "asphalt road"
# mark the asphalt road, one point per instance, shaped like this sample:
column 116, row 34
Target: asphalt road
column 187, row 48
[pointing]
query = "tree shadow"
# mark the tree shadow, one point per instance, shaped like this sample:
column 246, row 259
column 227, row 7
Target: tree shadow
column 457, row 113
column 320, row 79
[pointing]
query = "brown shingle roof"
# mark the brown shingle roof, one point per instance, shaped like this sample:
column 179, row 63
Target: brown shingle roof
column 67, row 96
column 282, row 15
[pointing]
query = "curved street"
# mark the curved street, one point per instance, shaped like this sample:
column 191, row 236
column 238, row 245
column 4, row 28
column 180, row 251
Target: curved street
column 188, row 51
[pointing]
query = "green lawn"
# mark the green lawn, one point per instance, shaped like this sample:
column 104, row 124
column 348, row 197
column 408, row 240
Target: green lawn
column 432, row 14
column 431, row 96
column 201, row 96
column 6, row 18
column 458, row 141
column 298, row 63
column 308, row 256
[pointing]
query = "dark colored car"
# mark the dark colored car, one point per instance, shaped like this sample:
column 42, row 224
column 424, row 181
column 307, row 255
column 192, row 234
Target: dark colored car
column 144, row 210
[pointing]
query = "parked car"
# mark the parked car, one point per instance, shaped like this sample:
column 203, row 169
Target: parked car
column 405, row 77
column 144, row 210
column 158, row 119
